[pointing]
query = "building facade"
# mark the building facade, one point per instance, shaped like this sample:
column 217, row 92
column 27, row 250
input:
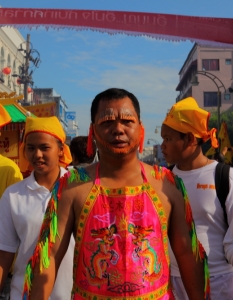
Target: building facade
column 205, row 72
column 11, row 41
column 46, row 102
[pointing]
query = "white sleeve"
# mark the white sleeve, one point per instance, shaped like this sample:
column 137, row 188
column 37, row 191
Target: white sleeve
column 228, row 239
column 9, row 240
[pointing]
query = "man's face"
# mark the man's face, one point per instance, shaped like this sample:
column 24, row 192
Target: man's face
column 117, row 129
column 173, row 145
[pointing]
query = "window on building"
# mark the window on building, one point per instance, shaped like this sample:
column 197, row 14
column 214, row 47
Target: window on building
column 228, row 61
column 210, row 64
column 210, row 99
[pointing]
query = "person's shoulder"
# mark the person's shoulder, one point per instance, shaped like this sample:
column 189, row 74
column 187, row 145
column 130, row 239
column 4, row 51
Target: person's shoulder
column 73, row 186
column 9, row 170
column 159, row 172
column 76, row 176
column 5, row 161
column 16, row 188
column 166, row 184
column 161, row 178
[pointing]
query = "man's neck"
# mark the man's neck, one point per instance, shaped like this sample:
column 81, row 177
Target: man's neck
column 120, row 172
column 193, row 162
column 118, row 164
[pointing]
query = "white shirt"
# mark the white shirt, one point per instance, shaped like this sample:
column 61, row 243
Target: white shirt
column 208, row 216
column 22, row 209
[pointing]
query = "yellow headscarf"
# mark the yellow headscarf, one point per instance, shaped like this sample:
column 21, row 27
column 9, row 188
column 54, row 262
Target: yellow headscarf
column 186, row 116
column 50, row 125
column 5, row 118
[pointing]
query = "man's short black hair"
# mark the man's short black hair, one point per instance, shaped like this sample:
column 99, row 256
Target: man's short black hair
column 112, row 94
column 78, row 149
column 199, row 140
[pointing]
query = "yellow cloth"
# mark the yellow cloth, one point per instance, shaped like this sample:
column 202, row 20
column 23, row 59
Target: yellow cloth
column 9, row 173
column 52, row 126
column 225, row 142
column 210, row 152
column 5, row 118
column 186, row 116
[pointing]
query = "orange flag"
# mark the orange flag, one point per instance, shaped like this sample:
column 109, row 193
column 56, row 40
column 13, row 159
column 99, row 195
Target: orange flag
column 225, row 142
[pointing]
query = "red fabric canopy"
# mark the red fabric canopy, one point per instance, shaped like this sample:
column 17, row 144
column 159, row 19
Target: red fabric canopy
column 203, row 30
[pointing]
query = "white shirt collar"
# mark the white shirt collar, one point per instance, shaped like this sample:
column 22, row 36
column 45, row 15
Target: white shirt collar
column 32, row 183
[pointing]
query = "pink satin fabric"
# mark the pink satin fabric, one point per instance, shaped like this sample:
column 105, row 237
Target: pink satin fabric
column 121, row 245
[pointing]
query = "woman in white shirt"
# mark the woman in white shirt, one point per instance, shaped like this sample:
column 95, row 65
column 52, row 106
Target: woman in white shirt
column 23, row 204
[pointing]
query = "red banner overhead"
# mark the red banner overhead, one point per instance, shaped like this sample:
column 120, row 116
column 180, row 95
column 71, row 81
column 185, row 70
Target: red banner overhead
column 208, row 31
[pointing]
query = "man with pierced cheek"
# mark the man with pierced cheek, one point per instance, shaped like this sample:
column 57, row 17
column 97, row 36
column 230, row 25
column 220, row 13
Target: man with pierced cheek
column 108, row 118
column 121, row 212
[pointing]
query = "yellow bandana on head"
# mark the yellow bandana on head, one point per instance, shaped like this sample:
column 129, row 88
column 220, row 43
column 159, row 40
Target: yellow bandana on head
column 50, row 125
column 186, row 116
column 5, row 118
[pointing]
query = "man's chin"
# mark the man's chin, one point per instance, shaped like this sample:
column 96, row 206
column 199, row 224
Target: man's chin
column 119, row 151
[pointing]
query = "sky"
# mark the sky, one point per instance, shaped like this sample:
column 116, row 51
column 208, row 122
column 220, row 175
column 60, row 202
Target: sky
column 80, row 64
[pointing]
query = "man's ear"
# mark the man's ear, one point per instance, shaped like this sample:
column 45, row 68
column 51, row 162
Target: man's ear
column 61, row 152
column 191, row 138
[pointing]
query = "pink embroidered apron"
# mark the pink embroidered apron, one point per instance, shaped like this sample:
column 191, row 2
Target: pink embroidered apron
column 121, row 247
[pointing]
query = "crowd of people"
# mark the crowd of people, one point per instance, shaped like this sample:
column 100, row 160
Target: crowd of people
column 92, row 221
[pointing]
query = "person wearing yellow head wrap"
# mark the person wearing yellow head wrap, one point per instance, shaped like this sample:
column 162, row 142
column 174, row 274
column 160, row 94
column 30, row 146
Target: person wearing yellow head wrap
column 51, row 126
column 183, row 131
column 23, row 205
column 186, row 116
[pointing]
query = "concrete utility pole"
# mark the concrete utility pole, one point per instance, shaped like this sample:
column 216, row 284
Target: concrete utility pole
column 26, row 67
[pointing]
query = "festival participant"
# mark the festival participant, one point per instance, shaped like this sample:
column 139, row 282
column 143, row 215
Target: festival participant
column 9, row 174
column 23, row 204
column 183, row 131
column 78, row 149
column 121, row 211
column 9, row 171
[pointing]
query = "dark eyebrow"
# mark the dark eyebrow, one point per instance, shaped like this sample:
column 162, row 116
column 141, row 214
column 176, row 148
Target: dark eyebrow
column 45, row 144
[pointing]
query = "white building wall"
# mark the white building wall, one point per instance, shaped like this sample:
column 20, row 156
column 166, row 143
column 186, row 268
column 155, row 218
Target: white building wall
column 10, row 56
